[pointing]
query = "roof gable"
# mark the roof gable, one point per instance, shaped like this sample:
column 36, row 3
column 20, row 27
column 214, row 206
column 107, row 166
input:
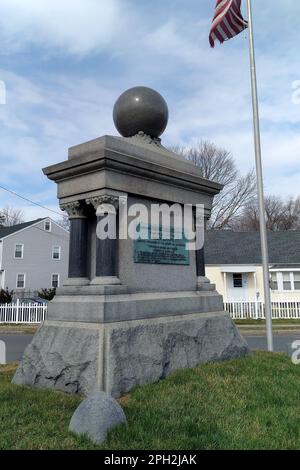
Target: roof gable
column 6, row 231
column 226, row 247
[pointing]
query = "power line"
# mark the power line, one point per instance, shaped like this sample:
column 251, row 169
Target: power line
column 32, row 202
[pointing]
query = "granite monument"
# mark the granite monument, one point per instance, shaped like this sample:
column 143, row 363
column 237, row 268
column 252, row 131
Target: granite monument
column 131, row 311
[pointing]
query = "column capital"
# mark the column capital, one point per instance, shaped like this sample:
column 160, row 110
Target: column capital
column 74, row 209
column 103, row 203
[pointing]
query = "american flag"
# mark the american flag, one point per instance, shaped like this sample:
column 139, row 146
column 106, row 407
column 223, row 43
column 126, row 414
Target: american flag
column 228, row 21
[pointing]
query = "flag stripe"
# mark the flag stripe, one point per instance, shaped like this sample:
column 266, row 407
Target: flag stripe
column 236, row 11
column 227, row 28
column 218, row 17
column 227, row 21
column 234, row 23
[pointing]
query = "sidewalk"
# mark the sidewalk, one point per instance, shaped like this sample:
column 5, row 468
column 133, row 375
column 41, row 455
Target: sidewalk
column 278, row 328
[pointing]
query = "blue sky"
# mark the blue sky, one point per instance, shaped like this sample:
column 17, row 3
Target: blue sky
column 65, row 62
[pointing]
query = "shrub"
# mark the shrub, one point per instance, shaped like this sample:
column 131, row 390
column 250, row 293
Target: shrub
column 6, row 296
column 47, row 294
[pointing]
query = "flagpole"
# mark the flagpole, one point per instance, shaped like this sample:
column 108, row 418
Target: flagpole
column 260, row 188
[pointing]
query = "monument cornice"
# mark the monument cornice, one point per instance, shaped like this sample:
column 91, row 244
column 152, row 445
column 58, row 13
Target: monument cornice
column 143, row 161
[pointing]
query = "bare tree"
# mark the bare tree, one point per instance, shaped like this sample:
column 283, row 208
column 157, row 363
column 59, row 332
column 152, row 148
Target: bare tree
column 10, row 216
column 64, row 222
column 280, row 215
column 292, row 214
column 218, row 165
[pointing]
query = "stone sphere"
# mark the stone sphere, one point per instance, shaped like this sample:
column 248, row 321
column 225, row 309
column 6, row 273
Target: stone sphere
column 141, row 109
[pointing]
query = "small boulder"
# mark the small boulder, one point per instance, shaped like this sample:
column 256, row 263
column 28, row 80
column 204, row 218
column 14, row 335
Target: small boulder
column 96, row 416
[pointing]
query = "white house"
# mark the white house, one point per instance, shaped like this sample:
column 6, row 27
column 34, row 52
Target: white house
column 233, row 263
column 33, row 255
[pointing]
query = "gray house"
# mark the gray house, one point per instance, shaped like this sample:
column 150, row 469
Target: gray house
column 33, row 255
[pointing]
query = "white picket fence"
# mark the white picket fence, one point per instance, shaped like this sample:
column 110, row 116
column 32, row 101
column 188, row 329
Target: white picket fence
column 238, row 309
column 23, row 313
column 242, row 310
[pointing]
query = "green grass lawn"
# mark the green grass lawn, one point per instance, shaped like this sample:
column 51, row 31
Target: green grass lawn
column 246, row 404
column 262, row 323
column 8, row 328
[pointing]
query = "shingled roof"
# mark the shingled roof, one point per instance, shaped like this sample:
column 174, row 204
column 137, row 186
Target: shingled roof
column 5, row 231
column 226, row 247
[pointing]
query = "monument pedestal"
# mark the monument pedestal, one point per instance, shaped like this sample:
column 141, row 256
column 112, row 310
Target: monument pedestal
column 114, row 357
column 131, row 311
column 104, row 338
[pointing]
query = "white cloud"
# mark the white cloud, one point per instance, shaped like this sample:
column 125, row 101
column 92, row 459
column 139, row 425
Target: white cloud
column 36, row 130
column 208, row 91
column 76, row 26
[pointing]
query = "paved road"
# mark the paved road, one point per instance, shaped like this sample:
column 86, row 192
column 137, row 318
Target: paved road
column 282, row 341
column 16, row 344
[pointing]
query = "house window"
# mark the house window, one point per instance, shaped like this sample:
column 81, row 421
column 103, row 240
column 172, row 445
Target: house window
column 274, row 282
column 296, row 280
column 286, row 279
column 56, row 252
column 54, row 281
column 47, row 226
column 19, row 250
column 20, row 281
column 237, row 280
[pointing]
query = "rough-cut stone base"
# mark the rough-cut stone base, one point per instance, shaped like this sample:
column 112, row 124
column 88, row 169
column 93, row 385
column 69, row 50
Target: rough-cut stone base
column 114, row 357
column 62, row 358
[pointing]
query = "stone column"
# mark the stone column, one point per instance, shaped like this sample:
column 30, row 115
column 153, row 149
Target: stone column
column 106, row 249
column 203, row 283
column 78, row 262
column 200, row 263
